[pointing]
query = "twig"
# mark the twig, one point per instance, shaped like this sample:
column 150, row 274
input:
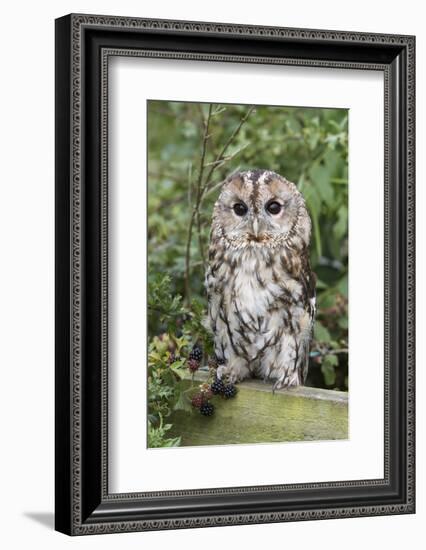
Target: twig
column 189, row 184
column 195, row 215
column 165, row 175
column 231, row 138
column 323, row 353
column 336, row 351
column 219, row 184
column 214, row 188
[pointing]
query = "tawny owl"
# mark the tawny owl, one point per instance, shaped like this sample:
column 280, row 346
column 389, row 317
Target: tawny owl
column 260, row 286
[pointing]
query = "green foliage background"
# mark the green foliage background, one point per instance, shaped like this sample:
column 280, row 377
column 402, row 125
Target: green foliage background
column 192, row 148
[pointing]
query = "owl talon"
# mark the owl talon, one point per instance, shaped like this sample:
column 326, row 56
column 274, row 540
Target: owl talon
column 276, row 387
column 234, row 372
column 220, row 372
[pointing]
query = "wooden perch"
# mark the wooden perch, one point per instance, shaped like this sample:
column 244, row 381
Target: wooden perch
column 256, row 415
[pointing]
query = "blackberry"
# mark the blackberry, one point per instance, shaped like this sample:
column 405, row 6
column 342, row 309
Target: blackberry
column 196, row 353
column 207, row 409
column 193, row 365
column 197, row 400
column 217, row 387
column 230, row 391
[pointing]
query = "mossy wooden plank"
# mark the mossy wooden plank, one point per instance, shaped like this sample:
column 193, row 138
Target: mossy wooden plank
column 256, row 415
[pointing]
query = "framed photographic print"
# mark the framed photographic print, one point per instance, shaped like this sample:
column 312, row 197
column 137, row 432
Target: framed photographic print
column 234, row 274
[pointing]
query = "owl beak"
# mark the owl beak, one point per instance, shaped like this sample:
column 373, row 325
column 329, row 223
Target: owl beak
column 255, row 227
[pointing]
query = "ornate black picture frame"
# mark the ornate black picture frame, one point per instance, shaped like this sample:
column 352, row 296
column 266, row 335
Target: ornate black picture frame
column 83, row 45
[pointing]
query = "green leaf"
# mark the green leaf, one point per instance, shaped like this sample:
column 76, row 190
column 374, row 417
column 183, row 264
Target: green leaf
column 329, row 374
column 321, row 334
column 313, row 202
column 178, row 368
column 182, row 403
column 172, row 442
column 320, row 176
column 333, row 160
column 321, row 285
column 313, row 140
column 327, row 369
column 342, row 287
column 154, row 357
column 340, row 228
column 327, row 299
column 331, row 360
column 294, row 125
column 343, row 322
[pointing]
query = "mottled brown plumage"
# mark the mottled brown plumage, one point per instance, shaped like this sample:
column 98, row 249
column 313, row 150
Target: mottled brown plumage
column 260, row 286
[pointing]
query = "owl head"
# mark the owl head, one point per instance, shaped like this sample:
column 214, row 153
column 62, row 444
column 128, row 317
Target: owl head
column 260, row 208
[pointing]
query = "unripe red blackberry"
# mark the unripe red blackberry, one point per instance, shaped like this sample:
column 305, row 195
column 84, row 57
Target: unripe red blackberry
column 197, row 400
column 193, row 365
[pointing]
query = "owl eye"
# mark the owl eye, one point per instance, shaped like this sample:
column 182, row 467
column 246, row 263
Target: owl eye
column 240, row 208
column 273, row 207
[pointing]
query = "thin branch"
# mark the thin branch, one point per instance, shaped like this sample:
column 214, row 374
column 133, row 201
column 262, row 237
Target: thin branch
column 189, row 185
column 323, row 353
column 336, row 351
column 231, row 138
column 165, row 175
column 200, row 189
column 195, row 214
column 214, row 188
